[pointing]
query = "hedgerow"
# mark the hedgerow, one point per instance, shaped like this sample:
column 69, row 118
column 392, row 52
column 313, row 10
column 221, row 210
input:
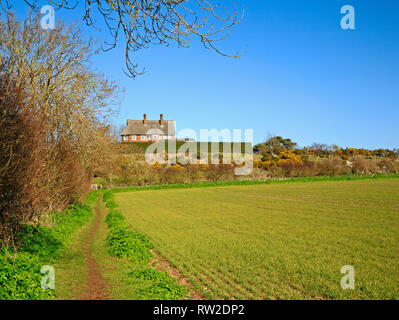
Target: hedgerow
column 208, row 184
column 20, row 276
column 124, row 243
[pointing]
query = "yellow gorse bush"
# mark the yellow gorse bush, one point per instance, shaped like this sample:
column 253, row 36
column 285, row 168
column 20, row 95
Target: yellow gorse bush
column 289, row 157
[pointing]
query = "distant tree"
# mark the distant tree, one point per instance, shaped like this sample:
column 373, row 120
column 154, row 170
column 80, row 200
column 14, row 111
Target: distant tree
column 273, row 146
column 320, row 146
column 149, row 22
column 335, row 147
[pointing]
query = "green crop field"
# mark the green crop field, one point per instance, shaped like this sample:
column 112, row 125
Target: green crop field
column 276, row 241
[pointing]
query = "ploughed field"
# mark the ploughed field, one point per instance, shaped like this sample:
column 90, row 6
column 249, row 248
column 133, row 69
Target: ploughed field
column 276, row 241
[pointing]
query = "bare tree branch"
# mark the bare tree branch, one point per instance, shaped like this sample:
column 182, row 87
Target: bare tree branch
column 147, row 22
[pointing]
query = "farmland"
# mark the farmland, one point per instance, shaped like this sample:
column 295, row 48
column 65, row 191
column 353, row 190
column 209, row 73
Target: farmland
column 277, row 241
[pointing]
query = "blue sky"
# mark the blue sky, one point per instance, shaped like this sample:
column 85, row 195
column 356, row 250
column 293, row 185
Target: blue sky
column 302, row 77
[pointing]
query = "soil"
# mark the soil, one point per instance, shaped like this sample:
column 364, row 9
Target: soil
column 162, row 264
column 95, row 284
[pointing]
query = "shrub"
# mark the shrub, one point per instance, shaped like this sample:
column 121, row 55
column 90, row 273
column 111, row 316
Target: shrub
column 220, row 172
column 176, row 167
column 388, row 166
column 109, row 200
column 149, row 274
column 124, row 243
column 20, row 277
column 166, row 290
column 163, row 286
column 289, row 157
column 364, row 166
column 115, row 219
column 332, row 167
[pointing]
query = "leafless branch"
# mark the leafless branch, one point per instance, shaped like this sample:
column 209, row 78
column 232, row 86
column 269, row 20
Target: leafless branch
column 147, row 22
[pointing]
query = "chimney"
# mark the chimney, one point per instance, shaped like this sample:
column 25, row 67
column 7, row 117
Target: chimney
column 145, row 119
column 161, row 120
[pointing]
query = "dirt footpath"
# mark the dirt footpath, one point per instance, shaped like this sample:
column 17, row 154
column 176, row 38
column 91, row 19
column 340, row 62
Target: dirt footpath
column 95, row 285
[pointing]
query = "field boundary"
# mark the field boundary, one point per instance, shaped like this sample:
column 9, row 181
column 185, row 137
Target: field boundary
column 165, row 282
column 208, row 184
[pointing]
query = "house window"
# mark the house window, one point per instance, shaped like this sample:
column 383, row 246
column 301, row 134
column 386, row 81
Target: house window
column 133, row 138
column 125, row 138
column 143, row 137
column 154, row 137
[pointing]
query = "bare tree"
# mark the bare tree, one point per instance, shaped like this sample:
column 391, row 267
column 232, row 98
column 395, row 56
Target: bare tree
column 148, row 22
column 56, row 105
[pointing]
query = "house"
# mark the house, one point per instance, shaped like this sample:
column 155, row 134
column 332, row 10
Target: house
column 149, row 130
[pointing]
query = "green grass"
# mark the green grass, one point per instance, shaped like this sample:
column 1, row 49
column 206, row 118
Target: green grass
column 276, row 241
column 207, row 184
column 20, row 276
column 127, row 280
column 144, row 281
column 71, row 267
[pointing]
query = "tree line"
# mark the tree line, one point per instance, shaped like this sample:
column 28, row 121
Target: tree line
column 54, row 120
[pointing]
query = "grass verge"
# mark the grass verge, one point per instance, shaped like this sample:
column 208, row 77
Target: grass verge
column 20, row 270
column 122, row 242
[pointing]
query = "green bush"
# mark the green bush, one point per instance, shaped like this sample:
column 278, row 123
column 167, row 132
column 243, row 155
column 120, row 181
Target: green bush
column 162, row 286
column 109, row 200
column 20, row 277
column 125, row 243
column 165, row 290
column 115, row 219
column 149, row 274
